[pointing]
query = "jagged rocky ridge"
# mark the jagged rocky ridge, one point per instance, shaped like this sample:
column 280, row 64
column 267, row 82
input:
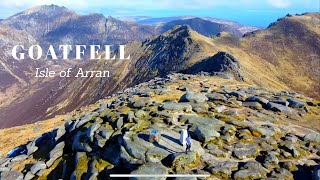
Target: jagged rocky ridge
column 221, row 64
column 238, row 131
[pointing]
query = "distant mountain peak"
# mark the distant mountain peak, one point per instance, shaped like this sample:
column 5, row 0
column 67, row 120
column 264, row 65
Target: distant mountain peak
column 46, row 9
column 179, row 28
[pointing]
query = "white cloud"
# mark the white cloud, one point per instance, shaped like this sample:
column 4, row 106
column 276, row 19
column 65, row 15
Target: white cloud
column 280, row 3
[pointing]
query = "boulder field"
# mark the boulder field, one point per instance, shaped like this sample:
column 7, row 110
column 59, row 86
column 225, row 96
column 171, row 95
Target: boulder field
column 238, row 131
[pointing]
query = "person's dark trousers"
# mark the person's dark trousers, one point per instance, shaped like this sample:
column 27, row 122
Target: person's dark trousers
column 187, row 148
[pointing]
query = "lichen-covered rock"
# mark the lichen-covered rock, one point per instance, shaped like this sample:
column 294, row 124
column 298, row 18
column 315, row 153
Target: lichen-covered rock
column 282, row 174
column 270, row 160
column 151, row 168
column 242, row 151
column 81, row 161
column 253, row 170
column 223, row 169
column 184, row 162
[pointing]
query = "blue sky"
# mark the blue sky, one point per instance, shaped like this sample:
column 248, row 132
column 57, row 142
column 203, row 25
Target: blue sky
column 249, row 12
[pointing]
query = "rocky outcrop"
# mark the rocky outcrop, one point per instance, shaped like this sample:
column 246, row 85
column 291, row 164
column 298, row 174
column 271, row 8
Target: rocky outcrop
column 221, row 64
column 230, row 140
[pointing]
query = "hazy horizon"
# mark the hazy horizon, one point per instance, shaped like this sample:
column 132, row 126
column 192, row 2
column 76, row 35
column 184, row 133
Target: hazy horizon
column 246, row 12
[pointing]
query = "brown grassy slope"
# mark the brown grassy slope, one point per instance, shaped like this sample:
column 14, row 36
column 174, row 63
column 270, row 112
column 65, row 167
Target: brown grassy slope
column 283, row 56
column 292, row 47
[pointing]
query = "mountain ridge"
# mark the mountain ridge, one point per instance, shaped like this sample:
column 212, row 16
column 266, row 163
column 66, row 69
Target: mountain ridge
column 174, row 51
column 230, row 123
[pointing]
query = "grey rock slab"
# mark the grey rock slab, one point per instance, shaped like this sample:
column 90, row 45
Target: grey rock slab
column 280, row 101
column 29, row 176
column 156, row 154
column 223, row 167
column 252, row 104
column 177, row 106
column 127, row 158
column 271, row 158
column 19, row 158
column 237, row 94
column 99, row 140
column 105, row 131
column 181, row 161
column 11, row 175
column 31, row 147
column 216, row 97
column 151, row 168
column 134, row 149
column 219, row 109
column 60, row 131
column 291, row 137
column 80, row 142
column 40, row 165
column 91, row 130
column 294, row 103
column 140, row 114
column 199, row 107
column 143, row 102
column 55, row 153
column 282, row 174
column 264, row 131
column 258, row 99
column 243, row 151
column 130, row 116
column 248, row 174
column 279, row 108
column 4, row 169
column 204, row 133
column 207, row 121
column 193, row 97
column 312, row 137
column 87, row 118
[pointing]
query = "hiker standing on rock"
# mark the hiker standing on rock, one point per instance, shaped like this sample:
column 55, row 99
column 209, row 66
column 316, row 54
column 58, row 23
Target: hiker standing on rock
column 188, row 143
column 183, row 136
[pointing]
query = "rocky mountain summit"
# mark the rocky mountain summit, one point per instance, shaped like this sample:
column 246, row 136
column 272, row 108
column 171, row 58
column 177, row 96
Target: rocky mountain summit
column 238, row 131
